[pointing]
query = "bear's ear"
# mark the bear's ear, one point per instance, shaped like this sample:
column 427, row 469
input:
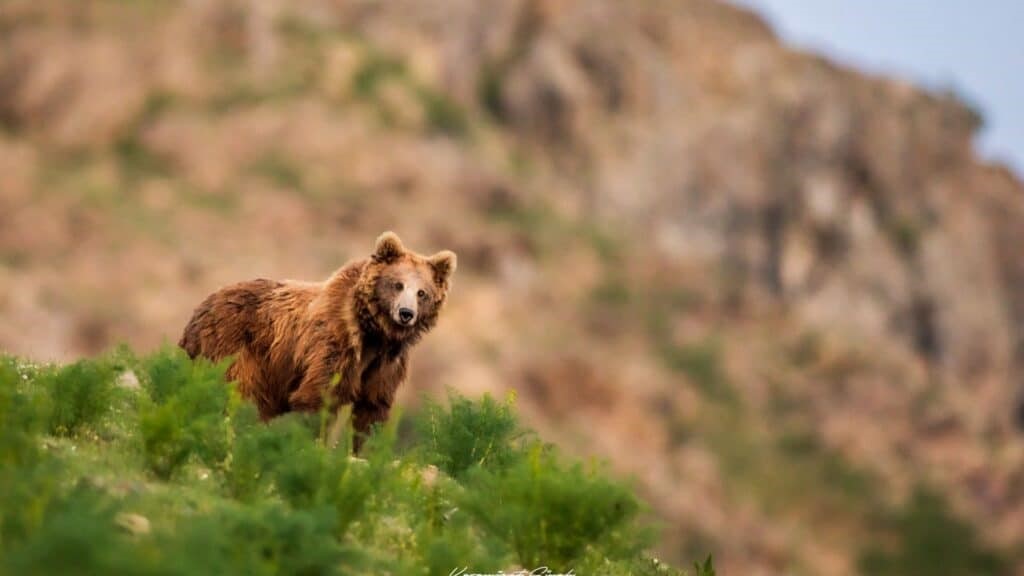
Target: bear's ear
column 388, row 249
column 443, row 263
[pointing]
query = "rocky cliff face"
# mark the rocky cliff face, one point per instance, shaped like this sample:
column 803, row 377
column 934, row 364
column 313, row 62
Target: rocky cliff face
column 779, row 292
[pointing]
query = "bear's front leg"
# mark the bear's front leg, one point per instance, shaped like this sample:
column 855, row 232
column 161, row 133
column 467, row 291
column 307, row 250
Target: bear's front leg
column 365, row 415
column 376, row 395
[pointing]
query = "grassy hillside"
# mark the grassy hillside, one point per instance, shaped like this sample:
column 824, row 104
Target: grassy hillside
column 169, row 472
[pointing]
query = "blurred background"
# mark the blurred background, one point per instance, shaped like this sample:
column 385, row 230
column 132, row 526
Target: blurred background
column 786, row 296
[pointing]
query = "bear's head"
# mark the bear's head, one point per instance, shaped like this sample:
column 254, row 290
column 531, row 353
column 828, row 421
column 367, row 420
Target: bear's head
column 402, row 292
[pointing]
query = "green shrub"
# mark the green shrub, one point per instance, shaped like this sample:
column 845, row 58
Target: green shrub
column 705, row 568
column 24, row 413
column 451, row 543
column 76, row 535
column 187, row 414
column 285, row 459
column 811, row 461
column 489, row 89
column 278, row 497
column 550, row 514
column 613, row 292
column 702, row 363
column 136, row 160
column 266, row 538
column 80, row 394
column 470, row 434
column 905, row 232
column 254, row 449
column 443, row 115
column 280, row 170
column 165, row 439
column 375, row 69
column 169, row 370
column 930, row 540
column 26, row 478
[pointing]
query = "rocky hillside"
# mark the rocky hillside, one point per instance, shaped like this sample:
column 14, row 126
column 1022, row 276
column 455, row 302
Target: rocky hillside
column 785, row 296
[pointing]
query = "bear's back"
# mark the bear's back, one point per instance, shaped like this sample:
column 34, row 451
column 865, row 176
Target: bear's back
column 228, row 319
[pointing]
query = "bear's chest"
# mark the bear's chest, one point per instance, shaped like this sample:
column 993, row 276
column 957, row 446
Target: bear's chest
column 376, row 356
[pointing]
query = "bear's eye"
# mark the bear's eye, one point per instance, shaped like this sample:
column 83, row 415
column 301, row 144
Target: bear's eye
column 422, row 294
column 398, row 286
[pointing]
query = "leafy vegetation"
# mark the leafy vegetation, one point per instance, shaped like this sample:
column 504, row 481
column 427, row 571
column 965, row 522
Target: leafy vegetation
column 281, row 171
column 78, row 395
column 177, row 475
column 552, row 514
column 442, row 115
column 185, row 414
column 375, row 69
column 929, row 539
column 701, row 362
column 471, row 435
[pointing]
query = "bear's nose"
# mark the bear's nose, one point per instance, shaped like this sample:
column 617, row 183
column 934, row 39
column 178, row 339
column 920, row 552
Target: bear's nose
column 406, row 315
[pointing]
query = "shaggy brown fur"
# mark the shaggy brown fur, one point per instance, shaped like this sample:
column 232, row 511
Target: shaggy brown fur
column 292, row 340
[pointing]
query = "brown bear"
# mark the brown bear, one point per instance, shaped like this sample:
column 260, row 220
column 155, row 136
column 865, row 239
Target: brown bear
column 346, row 340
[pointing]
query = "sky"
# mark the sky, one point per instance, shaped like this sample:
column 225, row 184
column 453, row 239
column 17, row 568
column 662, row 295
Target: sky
column 974, row 47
